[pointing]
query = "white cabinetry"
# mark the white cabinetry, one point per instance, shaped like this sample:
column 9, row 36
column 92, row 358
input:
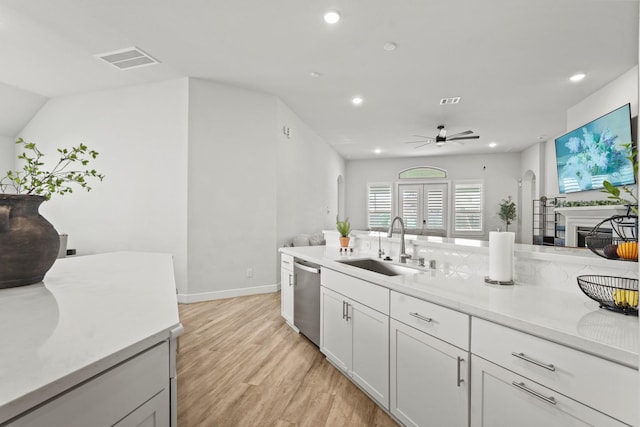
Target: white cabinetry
column 286, row 287
column 355, row 336
column 134, row 393
column 501, row 398
column 553, row 384
column 429, row 377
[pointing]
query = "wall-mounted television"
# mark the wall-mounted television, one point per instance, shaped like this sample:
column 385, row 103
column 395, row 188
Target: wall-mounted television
column 595, row 152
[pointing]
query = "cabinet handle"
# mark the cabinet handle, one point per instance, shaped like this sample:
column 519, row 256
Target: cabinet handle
column 540, row 396
column 285, row 262
column 348, row 317
column 421, row 317
column 535, row 362
column 460, row 380
column 290, row 281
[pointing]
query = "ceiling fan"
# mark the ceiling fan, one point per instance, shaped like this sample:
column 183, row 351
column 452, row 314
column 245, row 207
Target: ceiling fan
column 442, row 137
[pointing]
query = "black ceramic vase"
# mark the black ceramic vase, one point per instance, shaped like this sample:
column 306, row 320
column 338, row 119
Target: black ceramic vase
column 28, row 243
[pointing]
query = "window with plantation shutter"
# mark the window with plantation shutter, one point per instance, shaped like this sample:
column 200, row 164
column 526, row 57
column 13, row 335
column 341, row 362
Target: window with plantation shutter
column 378, row 205
column 468, row 207
column 423, row 206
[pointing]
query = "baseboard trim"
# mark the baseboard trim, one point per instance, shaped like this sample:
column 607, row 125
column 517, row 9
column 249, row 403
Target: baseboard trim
column 228, row 293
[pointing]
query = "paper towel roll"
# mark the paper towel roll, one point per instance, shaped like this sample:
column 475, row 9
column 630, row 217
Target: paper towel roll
column 501, row 255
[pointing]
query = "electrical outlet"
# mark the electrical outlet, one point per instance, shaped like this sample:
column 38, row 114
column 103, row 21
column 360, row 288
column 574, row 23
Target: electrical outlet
column 249, row 272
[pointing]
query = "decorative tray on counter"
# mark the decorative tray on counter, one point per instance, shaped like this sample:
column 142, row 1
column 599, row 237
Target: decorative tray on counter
column 613, row 293
column 615, row 238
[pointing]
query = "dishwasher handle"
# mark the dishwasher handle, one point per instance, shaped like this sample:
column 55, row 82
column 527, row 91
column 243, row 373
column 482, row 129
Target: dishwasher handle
column 306, row 268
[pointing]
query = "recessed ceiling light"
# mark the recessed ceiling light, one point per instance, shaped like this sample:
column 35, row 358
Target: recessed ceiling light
column 315, row 74
column 331, row 16
column 356, row 100
column 389, row 46
column 377, row 151
column 493, row 144
column 577, row 77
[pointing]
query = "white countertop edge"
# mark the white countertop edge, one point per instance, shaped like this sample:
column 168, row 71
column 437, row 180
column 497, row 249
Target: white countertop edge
column 594, row 347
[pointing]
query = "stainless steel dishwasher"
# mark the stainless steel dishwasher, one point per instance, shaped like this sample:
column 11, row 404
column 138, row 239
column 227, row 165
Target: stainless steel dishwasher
column 306, row 299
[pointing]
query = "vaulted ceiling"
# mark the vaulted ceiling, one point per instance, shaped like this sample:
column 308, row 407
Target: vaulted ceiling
column 508, row 60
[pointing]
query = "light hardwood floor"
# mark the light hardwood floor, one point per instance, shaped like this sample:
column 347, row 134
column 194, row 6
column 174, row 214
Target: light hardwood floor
column 239, row 364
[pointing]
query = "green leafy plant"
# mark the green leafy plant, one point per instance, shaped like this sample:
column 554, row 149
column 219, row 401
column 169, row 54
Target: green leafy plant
column 343, row 227
column 34, row 180
column 507, row 211
column 615, row 193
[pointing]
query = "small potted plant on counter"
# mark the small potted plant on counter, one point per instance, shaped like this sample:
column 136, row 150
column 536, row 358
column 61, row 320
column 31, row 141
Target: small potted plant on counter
column 28, row 242
column 507, row 212
column 344, row 228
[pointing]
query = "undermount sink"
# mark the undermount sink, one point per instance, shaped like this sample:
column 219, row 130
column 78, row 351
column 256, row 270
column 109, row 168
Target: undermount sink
column 380, row 267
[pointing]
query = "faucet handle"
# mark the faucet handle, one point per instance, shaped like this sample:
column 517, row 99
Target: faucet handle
column 404, row 258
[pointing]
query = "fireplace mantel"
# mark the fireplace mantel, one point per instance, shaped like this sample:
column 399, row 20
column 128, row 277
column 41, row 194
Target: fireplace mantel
column 586, row 216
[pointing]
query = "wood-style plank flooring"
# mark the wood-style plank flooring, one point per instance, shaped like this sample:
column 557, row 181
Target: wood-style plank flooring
column 239, row 364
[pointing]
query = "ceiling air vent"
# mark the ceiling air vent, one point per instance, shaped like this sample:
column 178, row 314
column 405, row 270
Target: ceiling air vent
column 131, row 57
column 447, row 101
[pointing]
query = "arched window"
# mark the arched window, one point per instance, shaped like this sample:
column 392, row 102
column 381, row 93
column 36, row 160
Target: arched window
column 422, row 172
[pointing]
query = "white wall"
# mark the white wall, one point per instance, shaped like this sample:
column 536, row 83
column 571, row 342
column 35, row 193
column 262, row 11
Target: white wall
column 141, row 135
column 308, row 170
column 617, row 93
column 232, row 191
column 500, row 180
column 7, row 154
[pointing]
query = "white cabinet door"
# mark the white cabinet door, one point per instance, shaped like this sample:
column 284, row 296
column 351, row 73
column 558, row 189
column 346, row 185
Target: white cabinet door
column 355, row 338
column 286, row 294
column 429, row 379
column 500, row 398
column 335, row 329
column 154, row 413
column 370, row 351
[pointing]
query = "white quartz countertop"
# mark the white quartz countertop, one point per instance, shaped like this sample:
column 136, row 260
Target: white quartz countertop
column 567, row 318
column 90, row 313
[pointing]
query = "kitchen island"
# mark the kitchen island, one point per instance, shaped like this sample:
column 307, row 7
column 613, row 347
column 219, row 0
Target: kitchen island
column 93, row 344
column 495, row 338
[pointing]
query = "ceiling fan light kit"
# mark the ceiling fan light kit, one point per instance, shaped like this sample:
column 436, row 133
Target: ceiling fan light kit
column 441, row 138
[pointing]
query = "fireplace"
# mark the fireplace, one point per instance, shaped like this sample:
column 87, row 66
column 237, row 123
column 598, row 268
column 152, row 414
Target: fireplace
column 582, row 233
column 580, row 220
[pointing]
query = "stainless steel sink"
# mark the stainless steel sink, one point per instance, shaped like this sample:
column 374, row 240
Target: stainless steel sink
column 381, row 267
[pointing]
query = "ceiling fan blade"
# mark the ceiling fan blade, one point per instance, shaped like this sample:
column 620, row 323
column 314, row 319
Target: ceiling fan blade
column 464, row 137
column 426, row 143
column 422, row 136
column 455, row 135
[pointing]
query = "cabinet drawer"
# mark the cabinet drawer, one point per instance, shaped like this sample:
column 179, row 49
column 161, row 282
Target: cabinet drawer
column 286, row 262
column 106, row 399
column 441, row 322
column 601, row 384
column 367, row 293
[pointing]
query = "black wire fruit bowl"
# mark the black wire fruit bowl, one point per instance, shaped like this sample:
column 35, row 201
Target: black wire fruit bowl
column 615, row 238
column 613, row 293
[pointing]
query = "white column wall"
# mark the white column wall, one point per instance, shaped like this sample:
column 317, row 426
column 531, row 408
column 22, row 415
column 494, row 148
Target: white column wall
column 232, row 191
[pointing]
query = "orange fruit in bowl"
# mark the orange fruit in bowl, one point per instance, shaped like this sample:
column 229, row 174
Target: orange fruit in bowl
column 628, row 250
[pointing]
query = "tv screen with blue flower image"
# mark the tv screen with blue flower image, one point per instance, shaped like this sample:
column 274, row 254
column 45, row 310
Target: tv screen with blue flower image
column 596, row 152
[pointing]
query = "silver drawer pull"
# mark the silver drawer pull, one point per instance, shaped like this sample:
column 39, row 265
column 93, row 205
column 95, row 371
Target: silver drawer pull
column 535, row 362
column 421, row 317
column 541, row 396
column 460, row 380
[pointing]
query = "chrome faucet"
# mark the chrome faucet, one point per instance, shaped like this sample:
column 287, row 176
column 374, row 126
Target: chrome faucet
column 403, row 255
